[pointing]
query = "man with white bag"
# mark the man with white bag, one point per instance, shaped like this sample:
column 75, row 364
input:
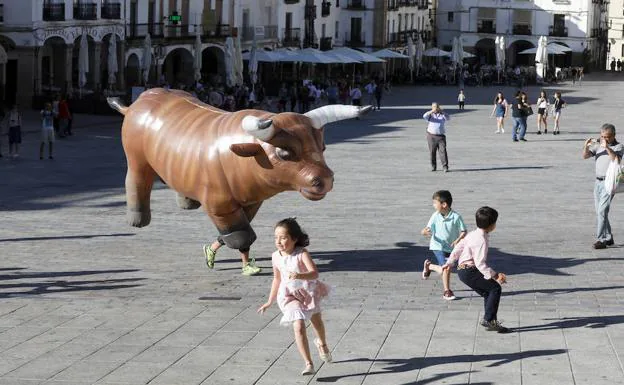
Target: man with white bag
column 604, row 150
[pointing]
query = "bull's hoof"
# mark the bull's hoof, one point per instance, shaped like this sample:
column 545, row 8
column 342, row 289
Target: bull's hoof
column 187, row 203
column 137, row 218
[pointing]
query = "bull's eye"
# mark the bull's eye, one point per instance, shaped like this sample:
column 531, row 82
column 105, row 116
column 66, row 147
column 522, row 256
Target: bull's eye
column 283, row 154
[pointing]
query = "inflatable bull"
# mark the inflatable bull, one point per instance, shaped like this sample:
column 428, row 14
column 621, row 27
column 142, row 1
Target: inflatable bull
column 226, row 162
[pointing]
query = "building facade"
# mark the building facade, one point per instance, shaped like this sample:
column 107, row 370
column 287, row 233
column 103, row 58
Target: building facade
column 578, row 24
column 615, row 46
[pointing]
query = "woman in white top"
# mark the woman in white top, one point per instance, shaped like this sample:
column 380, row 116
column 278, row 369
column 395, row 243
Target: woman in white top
column 542, row 113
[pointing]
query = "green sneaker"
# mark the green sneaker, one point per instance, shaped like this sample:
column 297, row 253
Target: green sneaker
column 210, row 256
column 251, row 268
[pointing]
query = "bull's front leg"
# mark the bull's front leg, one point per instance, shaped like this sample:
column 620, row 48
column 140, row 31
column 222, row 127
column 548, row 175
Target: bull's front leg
column 139, row 182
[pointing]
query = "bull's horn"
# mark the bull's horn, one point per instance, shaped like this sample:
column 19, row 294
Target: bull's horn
column 261, row 129
column 335, row 112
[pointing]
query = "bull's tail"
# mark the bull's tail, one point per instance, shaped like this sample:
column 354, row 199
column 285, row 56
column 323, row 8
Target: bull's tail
column 117, row 105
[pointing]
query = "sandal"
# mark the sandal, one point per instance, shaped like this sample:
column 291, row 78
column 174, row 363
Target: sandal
column 210, row 256
column 324, row 352
column 309, row 369
column 426, row 271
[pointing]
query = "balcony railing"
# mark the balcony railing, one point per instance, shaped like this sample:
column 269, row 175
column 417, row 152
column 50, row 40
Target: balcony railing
column 291, row 1
column 54, row 12
column 557, row 31
column 356, row 4
column 111, row 11
column 325, row 8
column 270, row 31
column 139, row 31
column 521, row 29
column 393, row 5
column 325, row 43
column 393, row 37
column 291, row 37
column 355, row 40
column 486, row 26
column 423, row 4
column 246, row 33
column 85, row 11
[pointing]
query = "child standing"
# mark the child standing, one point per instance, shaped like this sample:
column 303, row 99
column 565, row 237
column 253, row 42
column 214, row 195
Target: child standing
column 446, row 228
column 47, row 130
column 296, row 289
column 461, row 99
column 471, row 254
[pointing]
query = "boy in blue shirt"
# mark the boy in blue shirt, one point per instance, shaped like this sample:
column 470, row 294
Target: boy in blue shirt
column 446, row 228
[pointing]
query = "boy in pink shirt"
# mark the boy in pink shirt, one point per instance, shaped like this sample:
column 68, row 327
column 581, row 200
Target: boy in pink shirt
column 471, row 254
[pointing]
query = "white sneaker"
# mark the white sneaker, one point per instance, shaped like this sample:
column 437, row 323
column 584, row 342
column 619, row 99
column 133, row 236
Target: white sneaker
column 309, row 369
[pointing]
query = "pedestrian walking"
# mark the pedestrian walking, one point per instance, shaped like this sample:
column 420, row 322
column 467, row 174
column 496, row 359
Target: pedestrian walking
column 64, row 116
column 501, row 111
column 47, row 130
column 436, row 135
column 471, row 254
column 378, row 94
column 15, row 131
column 370, row 92
column 461, row 99
column 542, row 113
column 603, row 150
column 356, row 95
column 297, row 290
column 558, row 104
column 518, row 114
column 445, row 228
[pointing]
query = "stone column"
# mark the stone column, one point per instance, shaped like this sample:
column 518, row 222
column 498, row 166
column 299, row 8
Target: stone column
column 68, row 63
column 97, row 57
column 121, row 62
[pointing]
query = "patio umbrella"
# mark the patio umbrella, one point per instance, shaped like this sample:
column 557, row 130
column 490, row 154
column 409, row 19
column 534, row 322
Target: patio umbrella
column 230, row 78
column 498, row 53
column 388, row 54
column 411, row 52
column 263, row 56
column 420, row 47
column 253, row 63
column 197, row 60
column 436, row 52
column 111, row 63
column 503, row 51
column 356, row 55
column 147, row 57
column 559, row 47
column 238, row 61
column 83, row 60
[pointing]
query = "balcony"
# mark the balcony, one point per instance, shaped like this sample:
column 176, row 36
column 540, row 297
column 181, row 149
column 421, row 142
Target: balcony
column 356, row 5
column 521, row 29
column 84, row 11
column 246, row 33
column 181, row 31
column 423, row 4
column 292, row 37
column 355, row 40
column 291, row 1
column 111, row 11
column 53, row 12
column 216, row 31
column 393, row 37
column 325, row 44
column 393, row 5
column 270, row 31
column 557, row 31
column 139, row 31
column 325, row 8
column 486, row 26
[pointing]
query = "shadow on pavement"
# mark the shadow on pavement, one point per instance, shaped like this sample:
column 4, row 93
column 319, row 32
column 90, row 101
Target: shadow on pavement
column 48, row 286
column 418, row 363
column 561, row 291
column 500, row 168
column 28, row 239
column 596, row 322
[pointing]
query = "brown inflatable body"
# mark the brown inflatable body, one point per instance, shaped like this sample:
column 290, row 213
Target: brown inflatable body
column 226, row 162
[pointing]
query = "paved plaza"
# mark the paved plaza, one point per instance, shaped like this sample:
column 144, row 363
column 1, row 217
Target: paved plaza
column 86, row 299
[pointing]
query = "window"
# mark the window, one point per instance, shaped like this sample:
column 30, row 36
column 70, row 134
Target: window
column 336, row 31
column 450, row 17
column 412, row 23
column 400, row 19
column 323, row 30
column 558, row 21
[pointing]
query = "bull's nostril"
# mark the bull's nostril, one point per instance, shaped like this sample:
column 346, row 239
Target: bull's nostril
column 317, row 182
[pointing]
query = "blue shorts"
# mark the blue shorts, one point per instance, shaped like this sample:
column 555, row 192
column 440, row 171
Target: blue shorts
column 441, row 256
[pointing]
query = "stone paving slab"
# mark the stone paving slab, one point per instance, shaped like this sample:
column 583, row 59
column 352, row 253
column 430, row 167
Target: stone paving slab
column 84, row 299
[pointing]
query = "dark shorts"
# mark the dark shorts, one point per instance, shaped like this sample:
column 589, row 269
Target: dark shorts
column 356, row 102
column 15, row 135
column 541, row 111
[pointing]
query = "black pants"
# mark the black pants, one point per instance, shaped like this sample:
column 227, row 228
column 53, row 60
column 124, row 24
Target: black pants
column 489, row 289
column 437, row 143
column 461, row 105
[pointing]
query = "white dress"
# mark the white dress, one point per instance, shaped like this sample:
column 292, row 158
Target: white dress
column 298, row 299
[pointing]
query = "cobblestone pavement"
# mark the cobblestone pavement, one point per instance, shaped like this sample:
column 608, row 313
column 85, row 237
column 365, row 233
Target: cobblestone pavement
column 85, row 299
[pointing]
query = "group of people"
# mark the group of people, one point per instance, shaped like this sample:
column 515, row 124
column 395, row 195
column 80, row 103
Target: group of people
column 521, row 109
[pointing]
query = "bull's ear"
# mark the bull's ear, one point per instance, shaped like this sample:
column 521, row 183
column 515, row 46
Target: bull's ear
column 246, row 149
